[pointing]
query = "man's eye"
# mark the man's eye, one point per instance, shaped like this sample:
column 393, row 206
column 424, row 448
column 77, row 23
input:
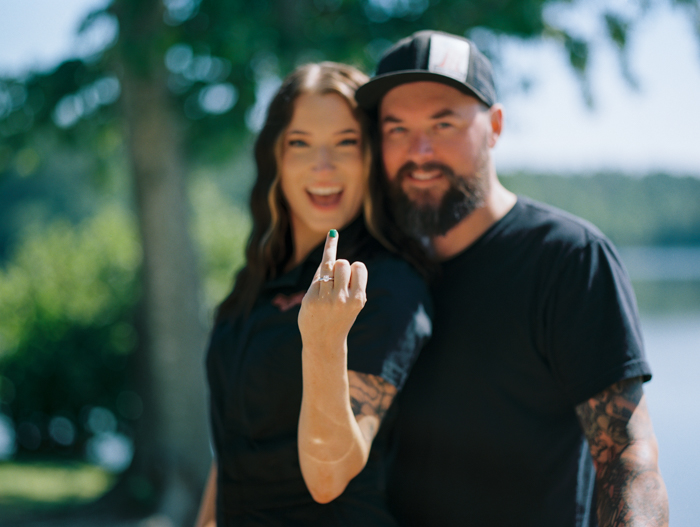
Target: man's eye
column 396, row 130
column 443, row 125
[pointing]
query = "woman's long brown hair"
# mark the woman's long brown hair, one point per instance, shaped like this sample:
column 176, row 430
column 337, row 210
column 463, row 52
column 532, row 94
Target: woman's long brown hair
column 270, row 244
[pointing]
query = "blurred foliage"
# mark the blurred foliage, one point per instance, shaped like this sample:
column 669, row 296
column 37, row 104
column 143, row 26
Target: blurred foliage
column 63, row 187
column 66, row 308
column 68, row 302
column 652, row 210
column 31, row 487
column 220, row 232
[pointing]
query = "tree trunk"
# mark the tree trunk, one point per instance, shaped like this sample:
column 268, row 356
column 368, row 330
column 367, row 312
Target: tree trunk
column 177, row 431
column 175, row 332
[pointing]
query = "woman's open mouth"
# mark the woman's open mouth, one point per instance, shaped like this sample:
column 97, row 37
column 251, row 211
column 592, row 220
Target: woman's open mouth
column 325, row 196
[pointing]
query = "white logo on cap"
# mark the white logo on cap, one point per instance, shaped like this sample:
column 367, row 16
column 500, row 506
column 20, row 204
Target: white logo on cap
column 449, row 56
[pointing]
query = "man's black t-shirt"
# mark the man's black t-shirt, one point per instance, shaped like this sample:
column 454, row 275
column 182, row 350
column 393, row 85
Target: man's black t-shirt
column 534, row 318
column 255, row 379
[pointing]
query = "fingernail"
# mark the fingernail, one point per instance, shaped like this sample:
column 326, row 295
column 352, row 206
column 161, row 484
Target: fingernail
column 333, row 233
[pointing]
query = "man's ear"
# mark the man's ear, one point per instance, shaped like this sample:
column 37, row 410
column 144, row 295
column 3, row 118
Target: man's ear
column 496, row 119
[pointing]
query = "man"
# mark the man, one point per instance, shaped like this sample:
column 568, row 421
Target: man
column 526, row 408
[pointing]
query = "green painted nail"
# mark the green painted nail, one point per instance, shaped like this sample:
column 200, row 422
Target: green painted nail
column 333, row 233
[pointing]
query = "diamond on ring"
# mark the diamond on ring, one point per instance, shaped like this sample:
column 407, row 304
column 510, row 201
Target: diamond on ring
column 325, row 279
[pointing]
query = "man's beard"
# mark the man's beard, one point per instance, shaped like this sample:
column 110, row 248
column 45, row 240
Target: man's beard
column 420, row 218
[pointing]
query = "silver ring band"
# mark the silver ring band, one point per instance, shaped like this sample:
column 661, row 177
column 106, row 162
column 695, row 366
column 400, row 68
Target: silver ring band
column 325, row 279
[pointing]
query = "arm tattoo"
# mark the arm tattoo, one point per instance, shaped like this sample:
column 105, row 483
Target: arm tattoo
column 622, row 443
column 370, row 398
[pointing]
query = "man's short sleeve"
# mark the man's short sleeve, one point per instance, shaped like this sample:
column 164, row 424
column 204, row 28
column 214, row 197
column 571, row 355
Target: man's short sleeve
column 394, row 324
column 594, row 333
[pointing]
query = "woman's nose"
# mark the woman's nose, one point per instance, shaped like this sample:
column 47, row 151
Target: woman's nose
column 324, row 159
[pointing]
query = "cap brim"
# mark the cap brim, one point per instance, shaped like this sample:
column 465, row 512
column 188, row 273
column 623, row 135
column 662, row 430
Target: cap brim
column 370, row 94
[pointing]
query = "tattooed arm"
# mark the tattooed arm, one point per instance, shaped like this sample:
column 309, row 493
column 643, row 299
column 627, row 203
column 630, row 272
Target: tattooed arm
column 630, row 490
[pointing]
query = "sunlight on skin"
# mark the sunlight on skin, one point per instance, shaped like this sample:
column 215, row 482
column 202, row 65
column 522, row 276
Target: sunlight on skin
column 338, row 455
column 336, row 461
column 368, row 426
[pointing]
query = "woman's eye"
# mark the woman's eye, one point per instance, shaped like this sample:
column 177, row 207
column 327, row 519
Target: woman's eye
column 348, row 142
column 297, row 143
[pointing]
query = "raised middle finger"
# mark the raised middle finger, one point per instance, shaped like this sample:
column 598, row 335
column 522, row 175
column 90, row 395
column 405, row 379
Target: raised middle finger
column 325, row 272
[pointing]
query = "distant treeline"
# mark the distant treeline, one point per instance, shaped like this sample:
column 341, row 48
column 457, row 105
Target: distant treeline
column 651, row 210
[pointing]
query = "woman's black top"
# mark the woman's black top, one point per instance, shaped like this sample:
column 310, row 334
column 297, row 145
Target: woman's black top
column 255, row 381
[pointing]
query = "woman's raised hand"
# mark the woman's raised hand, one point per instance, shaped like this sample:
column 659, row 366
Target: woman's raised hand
column 335, row 297
column 332, row 447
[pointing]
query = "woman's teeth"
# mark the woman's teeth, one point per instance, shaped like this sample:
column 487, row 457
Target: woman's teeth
column 324, row 191
column 325, row 196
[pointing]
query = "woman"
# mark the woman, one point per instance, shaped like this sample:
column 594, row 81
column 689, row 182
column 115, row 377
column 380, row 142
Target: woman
column 298, row 389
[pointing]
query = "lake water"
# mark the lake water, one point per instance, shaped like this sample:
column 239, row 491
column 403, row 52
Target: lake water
column 673, row 348
column 667, row 279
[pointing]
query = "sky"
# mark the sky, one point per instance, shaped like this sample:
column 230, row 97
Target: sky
column 38, row 34
column 653, row 128
column 548, row 128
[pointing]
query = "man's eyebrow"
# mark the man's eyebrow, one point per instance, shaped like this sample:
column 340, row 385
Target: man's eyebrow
column 438, row 115
column 443, row 113
column 391, row 119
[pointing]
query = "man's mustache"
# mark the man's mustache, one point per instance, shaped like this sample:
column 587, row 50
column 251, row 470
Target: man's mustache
column 430, row 166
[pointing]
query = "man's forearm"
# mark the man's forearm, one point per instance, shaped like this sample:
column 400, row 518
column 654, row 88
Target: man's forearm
column 631, row 491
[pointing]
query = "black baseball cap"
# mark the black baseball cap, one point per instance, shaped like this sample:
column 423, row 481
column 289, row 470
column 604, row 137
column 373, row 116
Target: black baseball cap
column 431, row 56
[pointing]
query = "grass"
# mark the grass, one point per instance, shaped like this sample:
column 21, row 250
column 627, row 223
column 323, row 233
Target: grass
column 43, row 486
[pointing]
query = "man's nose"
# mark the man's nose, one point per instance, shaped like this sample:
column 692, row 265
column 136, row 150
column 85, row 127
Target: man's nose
column 421, row 146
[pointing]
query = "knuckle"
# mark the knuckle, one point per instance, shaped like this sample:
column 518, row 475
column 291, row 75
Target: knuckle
column 342, row 264
column 359, row 299
column 359, row 266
